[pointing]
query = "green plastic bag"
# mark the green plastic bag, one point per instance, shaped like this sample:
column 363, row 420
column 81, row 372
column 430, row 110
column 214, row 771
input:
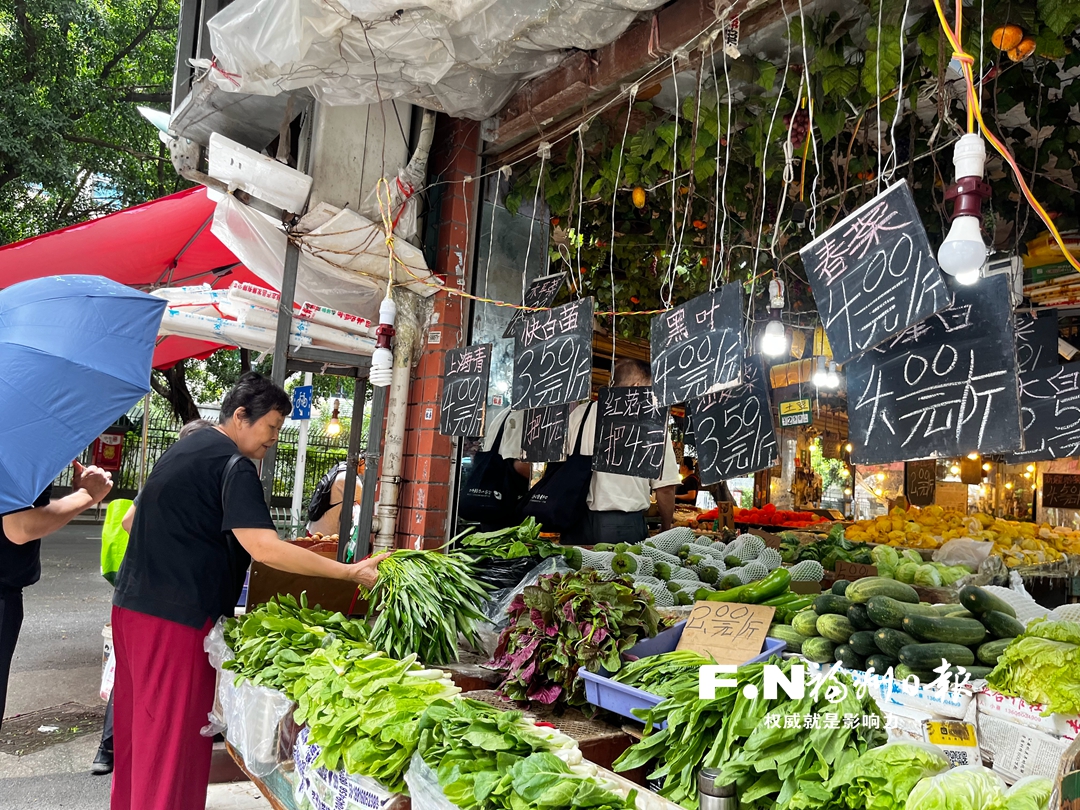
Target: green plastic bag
column 114, row 539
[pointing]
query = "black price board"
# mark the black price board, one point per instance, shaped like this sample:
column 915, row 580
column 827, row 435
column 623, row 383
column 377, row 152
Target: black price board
column 874, row 274
column 733, row 429
column 553, row 356
column 465, row 389
column 631, row 432
column 1060, row 491
column 1036, row 340
column 541, row 293
column 946, row 387
column 1050, row 414
column 697, row 346
column 920, row 481
column 545, row 433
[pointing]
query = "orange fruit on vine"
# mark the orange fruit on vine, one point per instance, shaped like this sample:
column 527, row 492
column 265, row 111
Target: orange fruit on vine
column 1022, row 51
column 634, row 299
column 638, row 196
column 1007, row 37
column 700, row 225
column 555, row 222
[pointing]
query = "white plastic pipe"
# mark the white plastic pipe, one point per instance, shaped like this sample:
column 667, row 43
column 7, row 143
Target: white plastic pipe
column 393, row 445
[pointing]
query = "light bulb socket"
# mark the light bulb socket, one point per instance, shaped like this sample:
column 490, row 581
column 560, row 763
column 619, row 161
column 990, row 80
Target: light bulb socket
column 967, row 195
column 776, row 296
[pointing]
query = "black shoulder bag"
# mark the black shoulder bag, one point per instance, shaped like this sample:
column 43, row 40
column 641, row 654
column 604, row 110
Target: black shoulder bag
column 494, row 488
column 560, row 499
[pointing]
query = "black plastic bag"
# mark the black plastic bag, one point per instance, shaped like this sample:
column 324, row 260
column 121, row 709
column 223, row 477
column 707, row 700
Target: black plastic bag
column 505, row 573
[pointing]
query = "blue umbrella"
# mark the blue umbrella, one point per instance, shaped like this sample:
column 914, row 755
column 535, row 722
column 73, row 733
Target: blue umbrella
column 75, row 354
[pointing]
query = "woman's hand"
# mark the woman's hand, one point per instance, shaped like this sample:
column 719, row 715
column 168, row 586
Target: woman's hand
column 367, row 571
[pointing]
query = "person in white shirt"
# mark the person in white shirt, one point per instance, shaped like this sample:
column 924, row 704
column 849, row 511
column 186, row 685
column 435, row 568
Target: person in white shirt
column 618, row 503
column 512, row 424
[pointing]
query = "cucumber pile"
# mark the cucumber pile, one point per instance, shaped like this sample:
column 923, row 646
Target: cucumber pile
column 879, row 623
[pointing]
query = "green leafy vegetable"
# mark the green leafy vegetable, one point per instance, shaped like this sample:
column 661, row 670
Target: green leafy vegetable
column 1030, row 793
column 882, row 778
column 1040, row 666
column 969, row 788
column 511, row 543
column 666, row 674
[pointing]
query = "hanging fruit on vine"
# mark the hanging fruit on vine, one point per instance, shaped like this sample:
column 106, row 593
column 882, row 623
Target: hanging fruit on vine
column 638, row 196
column 1022, row 51
column 1007, row 37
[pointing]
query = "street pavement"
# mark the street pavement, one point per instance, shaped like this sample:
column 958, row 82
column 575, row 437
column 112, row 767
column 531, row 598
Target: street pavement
column 58, row 661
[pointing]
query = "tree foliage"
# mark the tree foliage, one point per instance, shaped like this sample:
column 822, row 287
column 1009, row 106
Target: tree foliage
column 72, row 143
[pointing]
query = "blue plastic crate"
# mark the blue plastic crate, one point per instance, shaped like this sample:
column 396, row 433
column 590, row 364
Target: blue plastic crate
column 602, row 691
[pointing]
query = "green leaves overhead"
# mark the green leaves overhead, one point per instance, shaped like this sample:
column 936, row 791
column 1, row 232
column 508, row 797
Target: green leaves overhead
column 1060, row 16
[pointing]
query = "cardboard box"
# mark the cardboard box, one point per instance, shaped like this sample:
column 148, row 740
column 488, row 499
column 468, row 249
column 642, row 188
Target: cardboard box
column 951, row 704
column 1017, row 751
column 1017, row 710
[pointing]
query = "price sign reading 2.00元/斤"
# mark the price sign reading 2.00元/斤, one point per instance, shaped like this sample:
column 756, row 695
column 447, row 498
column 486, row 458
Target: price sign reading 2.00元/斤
column 545, row 433
column 553, row 356
column 631, row 432
column 465, row 386
column 697, row 346
column 873, row 274
column 733, row 429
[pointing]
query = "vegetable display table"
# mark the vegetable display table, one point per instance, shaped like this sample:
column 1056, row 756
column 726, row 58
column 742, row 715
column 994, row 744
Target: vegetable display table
column 277, row 787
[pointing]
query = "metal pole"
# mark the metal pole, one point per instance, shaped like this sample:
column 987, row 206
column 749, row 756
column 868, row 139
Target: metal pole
column 348, row 497
column 301, row 465
column 371, row 470
column 145, row 440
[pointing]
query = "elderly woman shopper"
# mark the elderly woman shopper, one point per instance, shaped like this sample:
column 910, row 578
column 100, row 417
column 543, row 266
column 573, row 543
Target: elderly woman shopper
column 201, row 518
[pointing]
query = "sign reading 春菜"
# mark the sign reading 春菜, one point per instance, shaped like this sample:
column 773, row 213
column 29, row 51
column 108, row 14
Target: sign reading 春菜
column 874, row 274
column 465, row 387
column 541, row 293
column 697, row 346
column 553, row 356
column 631, row 432
column 795, row 412
column 1050, row 413
column 545, row 433
column 1060, row 491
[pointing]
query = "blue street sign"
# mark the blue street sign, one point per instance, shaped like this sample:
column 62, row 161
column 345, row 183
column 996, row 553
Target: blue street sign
column 301, row 402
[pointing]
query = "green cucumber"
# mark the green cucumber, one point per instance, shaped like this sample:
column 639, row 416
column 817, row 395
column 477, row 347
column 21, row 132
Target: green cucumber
column 805, row 623
column 880, row 663
column 1002, row 625
column 863, row 643
column 979, row 601
column 835, row 628
column 963, row 632
column 991, row 651
column 861, row 590
column 928, row 657
column 903, row 672
column 860, row 618
column 890, row 641
column 975, row 671
column 840, row 586
column 831, row 603
column 787, row 634
column 884, row 611
column 818, row 650
column 954, row 609
column 847, row 657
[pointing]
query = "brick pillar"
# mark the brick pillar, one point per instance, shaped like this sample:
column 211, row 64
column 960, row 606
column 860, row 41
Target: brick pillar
column 425, row 490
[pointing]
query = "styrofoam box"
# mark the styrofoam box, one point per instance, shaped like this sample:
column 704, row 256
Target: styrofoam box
column 1017, row 710
column 949, row 703
column 1018, row 751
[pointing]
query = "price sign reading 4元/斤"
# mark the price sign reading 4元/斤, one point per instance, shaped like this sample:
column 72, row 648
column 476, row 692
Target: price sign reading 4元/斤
column 631, row 432
column 553, row 356
column 1060, row 491
column 465, row 387
column 545, row 433
column 697, row 346
column 874, row 274
column 730, row 632
column 541, row 293
column 1050, row 413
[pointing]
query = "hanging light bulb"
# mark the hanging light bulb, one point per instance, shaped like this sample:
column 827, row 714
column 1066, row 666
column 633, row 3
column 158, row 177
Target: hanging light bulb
column 774, row 341
column 333, row 428
column 833, row 377
column 821, row 374
column 963, row 253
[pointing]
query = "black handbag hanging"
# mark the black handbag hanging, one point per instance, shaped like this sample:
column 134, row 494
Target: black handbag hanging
column 494, row 488
column 559, row 500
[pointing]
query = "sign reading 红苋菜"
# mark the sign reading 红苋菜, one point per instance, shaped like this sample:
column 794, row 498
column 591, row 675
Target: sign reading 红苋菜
column 920, row 481
column 553, row 356
column 465, row 388
column 733, row 429
column 697, row 347
column 795, row 412
column 545, row 433
column 1036, row 340
column 945, row 387
column 541, row 293
column 1050, row 413
column 1060, row 491
column 873, row 274
column 631, row 432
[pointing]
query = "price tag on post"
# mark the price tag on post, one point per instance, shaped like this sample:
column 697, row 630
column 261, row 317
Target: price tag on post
column 730, row 632
column 853, row 571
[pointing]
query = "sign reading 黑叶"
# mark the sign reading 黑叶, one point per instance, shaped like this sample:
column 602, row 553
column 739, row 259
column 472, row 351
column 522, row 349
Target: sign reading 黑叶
column 1060, row 491
column 553, row 356
column 945, row 387
column 1050, row 413
column 795, row 412
column 545, row 433
column 730, row 632
column 631, row 432
column 465, row 387
column 541, row 293
column 301, row 402
column 920, row 481
column 733, row 429
column 697, row 346
column 1036, row 340
column 874, row 274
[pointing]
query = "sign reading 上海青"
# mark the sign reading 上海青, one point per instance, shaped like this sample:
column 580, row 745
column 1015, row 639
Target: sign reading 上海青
column 631, row 432
column 874, row 274
column 1036, row 340
column 545, row 433
column 946, row 387
column 541, row 293
column 733, row 429
column 697, row 347
column 920, row 481
column 1050, row 413
column 1060, row 491
column 795, row 412
column 465, row 388
column 553, row 356
column 301, row 402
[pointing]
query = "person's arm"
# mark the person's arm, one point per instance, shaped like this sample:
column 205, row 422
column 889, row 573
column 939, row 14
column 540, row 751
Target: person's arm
column 524, row 469
column 128, row 519
column 91, row 485
column 665, row 504
column 687, row 497
column 264, row 546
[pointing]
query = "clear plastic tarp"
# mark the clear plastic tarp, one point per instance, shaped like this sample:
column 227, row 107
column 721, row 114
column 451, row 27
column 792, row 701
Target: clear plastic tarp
column 461, row 57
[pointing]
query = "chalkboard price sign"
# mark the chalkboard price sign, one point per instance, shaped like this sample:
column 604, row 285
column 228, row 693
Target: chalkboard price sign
column 920, row 482
column 553, row 356
column 1061, row 491
column 1050, row 413
column 541, row 293
column 873, row 274
column 465, row 388
column 631, row 432
column 733, row 429
column 697, row 346
column 1036, row 340
column 545, row 433
column 946, row 387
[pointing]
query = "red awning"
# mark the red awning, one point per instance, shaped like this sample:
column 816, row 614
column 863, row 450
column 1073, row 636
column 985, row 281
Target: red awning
column 162, row 243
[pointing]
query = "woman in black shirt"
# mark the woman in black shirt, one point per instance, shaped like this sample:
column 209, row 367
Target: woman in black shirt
column 201, row 518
